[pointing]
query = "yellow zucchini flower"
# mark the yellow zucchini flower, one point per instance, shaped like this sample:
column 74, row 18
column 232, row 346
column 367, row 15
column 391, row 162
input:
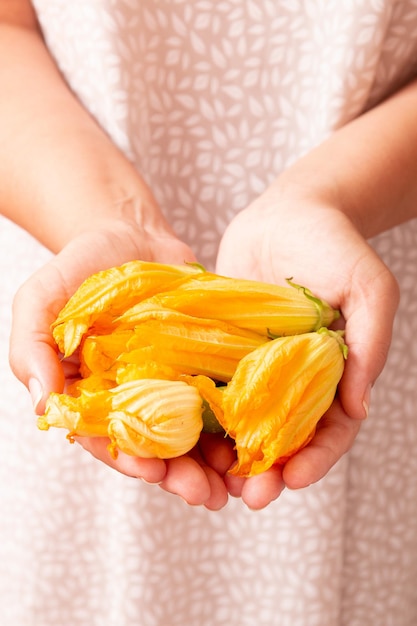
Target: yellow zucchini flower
column 278, row 394
column 187, row 344
column 108, row 293
column 269, row 310
column 145, row 418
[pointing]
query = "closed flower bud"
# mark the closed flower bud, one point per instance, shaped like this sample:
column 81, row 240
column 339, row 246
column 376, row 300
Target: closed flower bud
column 269, row 310
column 278, row 394
column 145, row 418
column 155, row 418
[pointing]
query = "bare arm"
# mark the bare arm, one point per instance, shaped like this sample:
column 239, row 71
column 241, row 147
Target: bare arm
column 368, row 169
column 59, row 172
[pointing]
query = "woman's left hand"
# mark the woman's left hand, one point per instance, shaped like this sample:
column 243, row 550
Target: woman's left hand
column 287, row 233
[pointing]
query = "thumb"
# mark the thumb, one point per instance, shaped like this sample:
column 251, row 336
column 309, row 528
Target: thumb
column 33, row 354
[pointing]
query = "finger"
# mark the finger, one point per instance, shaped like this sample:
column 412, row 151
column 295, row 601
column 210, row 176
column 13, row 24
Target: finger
column 151, row 470
column 218, row 493
column 259, row 491
column 335, row 435
column 217, row 451
column 187, row 479
column 234, row 485
column 33, row 355
column 369, row 309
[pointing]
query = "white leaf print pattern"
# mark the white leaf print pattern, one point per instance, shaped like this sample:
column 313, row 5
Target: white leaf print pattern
column 211, row 100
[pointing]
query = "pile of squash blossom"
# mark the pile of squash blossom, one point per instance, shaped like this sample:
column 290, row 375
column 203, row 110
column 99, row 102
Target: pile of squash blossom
column 167, row 351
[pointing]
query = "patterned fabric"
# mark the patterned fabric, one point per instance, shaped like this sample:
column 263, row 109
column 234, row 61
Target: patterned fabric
column 211, row 100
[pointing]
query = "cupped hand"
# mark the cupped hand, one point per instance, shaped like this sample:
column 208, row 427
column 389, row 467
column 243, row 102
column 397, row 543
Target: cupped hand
column 36, row 362
column 294, row 235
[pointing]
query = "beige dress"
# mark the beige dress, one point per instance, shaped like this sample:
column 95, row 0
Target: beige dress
column 211, row 100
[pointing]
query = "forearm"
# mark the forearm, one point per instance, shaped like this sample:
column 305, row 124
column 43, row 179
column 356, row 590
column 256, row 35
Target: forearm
column 368, row 168
column 59, row 172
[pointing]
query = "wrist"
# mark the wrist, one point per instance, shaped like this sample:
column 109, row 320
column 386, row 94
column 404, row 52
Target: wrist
column 366, row 169
column 313, row 182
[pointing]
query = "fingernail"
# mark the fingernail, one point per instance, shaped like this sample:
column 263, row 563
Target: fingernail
column 366, row 400
column 36, row 392
column 149, row 482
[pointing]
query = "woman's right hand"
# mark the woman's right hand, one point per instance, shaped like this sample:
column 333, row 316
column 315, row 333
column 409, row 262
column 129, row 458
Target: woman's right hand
column 36, row 362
